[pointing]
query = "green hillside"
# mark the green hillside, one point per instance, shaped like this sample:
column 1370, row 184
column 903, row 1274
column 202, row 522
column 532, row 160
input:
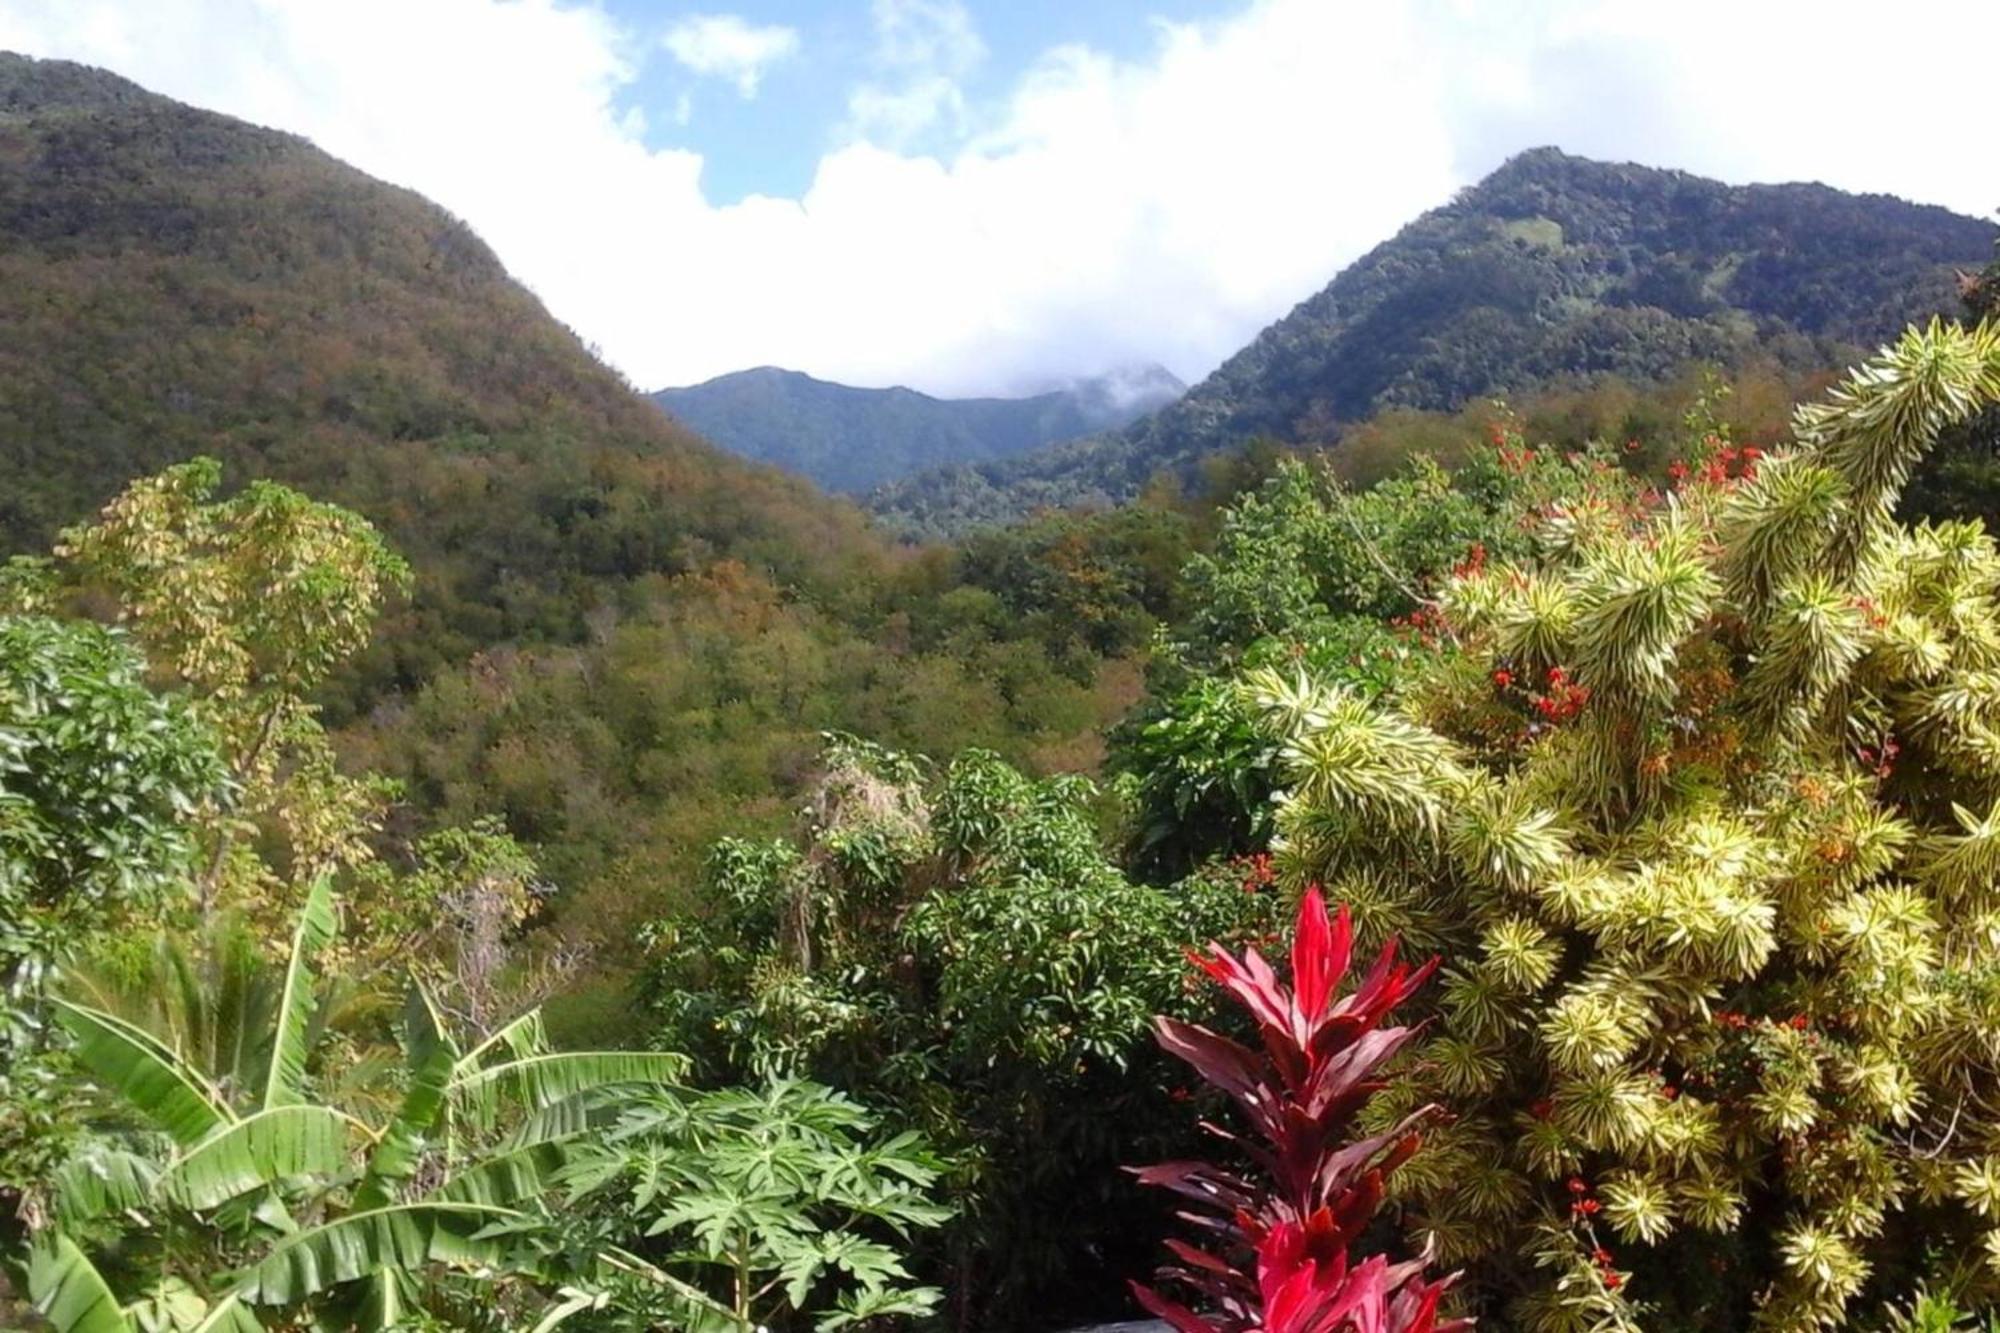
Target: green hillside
column 175, row 282
column 1552, row 268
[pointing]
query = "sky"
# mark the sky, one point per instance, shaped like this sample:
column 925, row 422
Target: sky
column 991, row 196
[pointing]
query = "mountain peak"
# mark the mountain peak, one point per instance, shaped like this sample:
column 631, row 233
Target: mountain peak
column 29, row 84
column 1553, row 268
column 854, row 439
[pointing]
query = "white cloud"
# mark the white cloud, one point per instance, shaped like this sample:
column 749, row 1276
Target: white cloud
column 1100, row 210
column 923, row 48
column 727, row 46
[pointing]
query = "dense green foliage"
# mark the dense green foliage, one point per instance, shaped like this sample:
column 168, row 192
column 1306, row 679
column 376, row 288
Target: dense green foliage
column 99, row 778
column 853, row 440
column 957, row 945
column 1553, row 267
column 1699, row 805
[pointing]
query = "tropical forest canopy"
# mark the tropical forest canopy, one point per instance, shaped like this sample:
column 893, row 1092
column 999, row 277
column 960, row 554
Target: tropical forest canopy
column 475, row 856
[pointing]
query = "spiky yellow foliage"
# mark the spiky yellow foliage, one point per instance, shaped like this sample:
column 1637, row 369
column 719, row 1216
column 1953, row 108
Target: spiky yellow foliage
column 1725, row 927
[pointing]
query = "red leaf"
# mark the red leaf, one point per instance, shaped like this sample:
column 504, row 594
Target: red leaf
column 1319, row 955
column 1220, row 1061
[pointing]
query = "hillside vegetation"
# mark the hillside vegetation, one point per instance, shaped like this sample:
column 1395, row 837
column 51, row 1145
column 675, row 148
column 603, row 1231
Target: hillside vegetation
column 175, row 282
column 853, row 440
column 1552, row 268
column 618, row 637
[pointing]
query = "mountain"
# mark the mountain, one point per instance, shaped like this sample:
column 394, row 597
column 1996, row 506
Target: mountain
column 176, row 282
column 853, row 440
column 1552, row 268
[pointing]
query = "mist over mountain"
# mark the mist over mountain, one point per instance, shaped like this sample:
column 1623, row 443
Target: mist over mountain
column 1553, row 268
column 853, row 440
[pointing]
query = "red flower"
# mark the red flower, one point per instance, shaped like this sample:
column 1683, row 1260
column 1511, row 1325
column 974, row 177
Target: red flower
column 1576, row 1185
column 1613, row 1282
column 1503, row 678
column 1799, row 1022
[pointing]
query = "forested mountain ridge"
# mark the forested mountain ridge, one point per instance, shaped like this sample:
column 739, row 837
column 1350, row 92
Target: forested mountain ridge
column 854, row 439
column 1551, row 268
column 176, row 282
column 619, row 640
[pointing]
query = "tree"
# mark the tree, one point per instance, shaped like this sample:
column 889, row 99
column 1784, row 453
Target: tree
column 247, row 604
column 1705, row 807
column 957, row 949
column 98, row 775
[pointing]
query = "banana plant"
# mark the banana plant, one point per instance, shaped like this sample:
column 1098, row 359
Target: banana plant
column 252, row 1204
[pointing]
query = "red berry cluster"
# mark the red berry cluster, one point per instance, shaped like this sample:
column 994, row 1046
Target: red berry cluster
column 1559, row 700
column 1425, row 624
column 1563, row 699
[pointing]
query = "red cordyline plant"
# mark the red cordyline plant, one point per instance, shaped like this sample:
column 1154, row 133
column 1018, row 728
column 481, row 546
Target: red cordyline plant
column 1279, row 1260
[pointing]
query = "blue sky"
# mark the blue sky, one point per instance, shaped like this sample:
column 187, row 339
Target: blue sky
column 771, row 142
column 984, row 196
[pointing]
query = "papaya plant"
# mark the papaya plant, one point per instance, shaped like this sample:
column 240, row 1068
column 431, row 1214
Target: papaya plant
column 748, row 1208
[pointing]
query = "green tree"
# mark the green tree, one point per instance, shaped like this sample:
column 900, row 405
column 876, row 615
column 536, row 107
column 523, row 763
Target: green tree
column 957, row 948
column 98, row 776
column 248, row 603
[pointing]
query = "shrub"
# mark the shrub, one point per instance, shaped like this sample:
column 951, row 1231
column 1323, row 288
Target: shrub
column 1282, row 1264
column 1706, row 807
